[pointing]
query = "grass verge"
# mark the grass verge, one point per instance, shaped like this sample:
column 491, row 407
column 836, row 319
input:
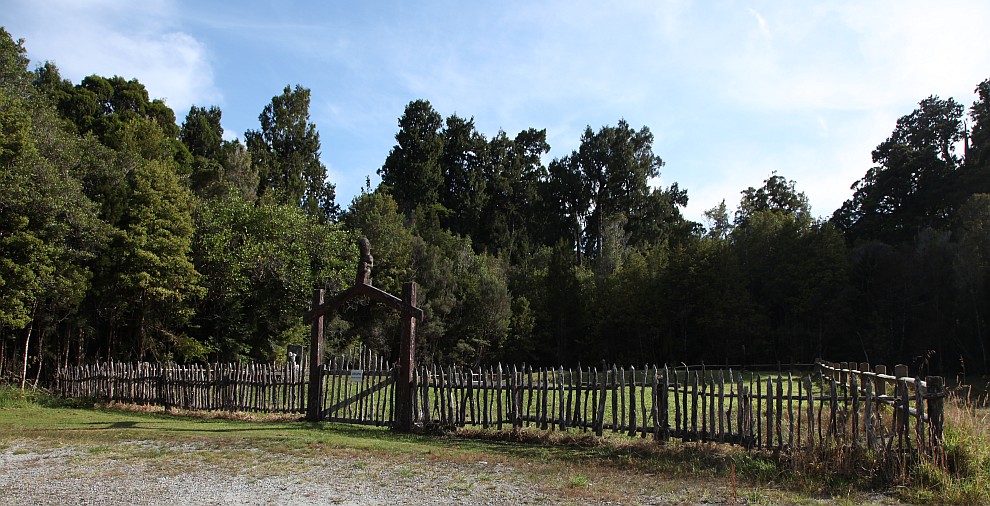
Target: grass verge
column 578, row 467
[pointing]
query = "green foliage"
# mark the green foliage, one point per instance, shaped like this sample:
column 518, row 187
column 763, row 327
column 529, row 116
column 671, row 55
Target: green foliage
column 513, row 219
column 106, row 107
column 777, row 195
column 978, row 150
column 467, row 303
column 241, row 177
column 152, row 278
column 15, row 398
column 412, row 172
column 14, row 77
column 48, row 227
column 796, row 272
column 261, row 264
column 202, row 135
column 201, row 132
column 219, row 168
column 376, row 217
column 286, row 154
column 914, row 183
column 708, row 311
column 608, row 179
column 718, row 224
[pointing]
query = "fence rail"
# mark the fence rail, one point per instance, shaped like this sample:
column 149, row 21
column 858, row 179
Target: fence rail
column 845, row 404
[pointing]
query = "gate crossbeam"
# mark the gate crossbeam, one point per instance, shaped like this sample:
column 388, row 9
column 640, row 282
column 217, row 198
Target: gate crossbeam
column 363, row 290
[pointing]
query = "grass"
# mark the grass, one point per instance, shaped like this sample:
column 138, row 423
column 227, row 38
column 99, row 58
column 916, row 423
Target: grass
column 11, row 397
column 961, row 473
column 574, row 466
column 578, row 480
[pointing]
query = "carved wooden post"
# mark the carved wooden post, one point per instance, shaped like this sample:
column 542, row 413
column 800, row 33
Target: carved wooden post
column 407, row 360
column 314, row 404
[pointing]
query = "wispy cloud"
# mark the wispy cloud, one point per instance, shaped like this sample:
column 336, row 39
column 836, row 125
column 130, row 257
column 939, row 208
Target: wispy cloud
column 120, row 37
column 761, row 22
column 732, row 90
column 859, row 55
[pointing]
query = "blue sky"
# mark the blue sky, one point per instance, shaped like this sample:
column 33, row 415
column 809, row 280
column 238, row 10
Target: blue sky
column 732, row 90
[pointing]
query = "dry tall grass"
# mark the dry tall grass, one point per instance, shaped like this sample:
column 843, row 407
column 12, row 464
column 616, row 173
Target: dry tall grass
column 958, row 472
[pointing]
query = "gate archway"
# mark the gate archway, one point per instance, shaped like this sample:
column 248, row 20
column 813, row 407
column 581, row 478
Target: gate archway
column 409, row 313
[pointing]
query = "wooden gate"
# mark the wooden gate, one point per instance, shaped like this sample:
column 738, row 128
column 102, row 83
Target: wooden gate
column 360, row 390
column 400, row 413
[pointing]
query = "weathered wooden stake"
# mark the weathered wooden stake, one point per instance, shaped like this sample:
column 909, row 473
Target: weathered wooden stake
column 407, row 360
column 936, row 405
column 314, row 405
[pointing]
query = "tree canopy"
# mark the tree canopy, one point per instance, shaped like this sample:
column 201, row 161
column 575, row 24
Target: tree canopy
column 126, row 236
column 286, row 153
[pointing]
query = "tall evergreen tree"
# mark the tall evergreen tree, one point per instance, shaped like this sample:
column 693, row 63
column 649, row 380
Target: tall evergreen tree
column 515, row 171
column 412, row 173
column 913, row 184
column 153, row 277
column 607, row 181
column 777, row 195
column 202, row 132
column 286, row 154
column 464, row 192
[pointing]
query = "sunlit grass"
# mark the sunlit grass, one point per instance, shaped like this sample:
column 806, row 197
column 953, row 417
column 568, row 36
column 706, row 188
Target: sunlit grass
column 580, row 465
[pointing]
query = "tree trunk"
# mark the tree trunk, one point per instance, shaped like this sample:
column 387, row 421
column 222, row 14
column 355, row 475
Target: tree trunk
column 41, row 347
column 27, row 343
column 3, row 357
column 979, row 337
column 142, row 334
column 79, row 346
column 63, row 361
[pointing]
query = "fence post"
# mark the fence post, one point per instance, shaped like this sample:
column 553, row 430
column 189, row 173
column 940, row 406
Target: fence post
column 880, row 384
column 900, row 407
column 936, row 403
column 314, row 401
column 407, row 360
column 162, row 385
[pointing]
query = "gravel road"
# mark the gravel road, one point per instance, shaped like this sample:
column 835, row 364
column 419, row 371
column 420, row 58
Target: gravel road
column 156, row 472
column 149, row 473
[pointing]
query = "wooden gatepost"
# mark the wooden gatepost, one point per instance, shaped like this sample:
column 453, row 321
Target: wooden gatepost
column 409, row 313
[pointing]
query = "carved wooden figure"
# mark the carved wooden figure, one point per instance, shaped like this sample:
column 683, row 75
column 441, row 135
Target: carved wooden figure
column 366, row 263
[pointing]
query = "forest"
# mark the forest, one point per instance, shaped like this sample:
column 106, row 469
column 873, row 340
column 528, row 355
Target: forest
column 128, row 234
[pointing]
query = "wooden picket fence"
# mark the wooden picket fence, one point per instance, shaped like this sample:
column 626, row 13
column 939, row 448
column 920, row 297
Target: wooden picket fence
column 251, row 387
column 901, row 399
column 772, row 411
column 819, row 404
column 247, row 387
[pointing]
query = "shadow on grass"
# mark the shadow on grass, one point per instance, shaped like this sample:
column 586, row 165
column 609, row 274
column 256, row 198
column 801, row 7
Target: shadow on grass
column 157, row 426
column 539, row 445
column 531, row 446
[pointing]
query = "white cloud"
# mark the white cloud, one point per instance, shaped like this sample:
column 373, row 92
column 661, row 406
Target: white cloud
column 856, row 55
column 732, row 89
column 761, row 22
column 119, row 37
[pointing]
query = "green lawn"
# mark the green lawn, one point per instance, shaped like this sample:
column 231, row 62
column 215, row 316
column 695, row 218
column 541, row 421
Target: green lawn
column 579, row 466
